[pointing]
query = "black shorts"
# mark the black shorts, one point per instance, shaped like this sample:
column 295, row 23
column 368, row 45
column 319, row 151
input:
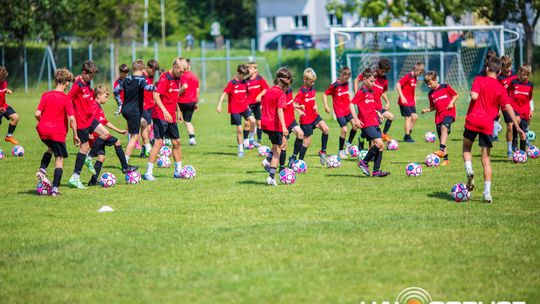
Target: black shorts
column 276, row 138
column 484, row 140
column 371, row 133
column 256, row 110
column 344, row 120
column 407, row 111
column 9, row 111
column 93, row 126
column 507, row 118
column 187, row 110
column 58, row 148
column 133, row 121
column 84, row 135
column 236, row 119
column 308, row 128
column 293, row 125
column 147, row 115
column 383, row 110
column 164, row 129
column 447, row 122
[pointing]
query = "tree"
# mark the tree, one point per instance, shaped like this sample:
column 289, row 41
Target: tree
column 56, row 16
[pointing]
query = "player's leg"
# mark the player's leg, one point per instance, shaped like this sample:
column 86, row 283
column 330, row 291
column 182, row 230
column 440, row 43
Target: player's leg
column 173, row 133
column 259, row 131
column 58, row 172
column 159, row 133
column 389, row 119
column 307, row 129
column 252, row 126
column 523, row 143
column 352, row 135
column 98, row 165
column 342, row 135
column 378, row 142
column 187, row 114
column 324, row 141
column 276, row 138
column 41, row 174
column 486, row 164
column 468, row 140
column 84, row 148
column 239, row 139
column 509, row 134
column 13, row 121
column 144, row 137
column 414, row 118
column 245, row 134
column 298, row 142
column 134, row 128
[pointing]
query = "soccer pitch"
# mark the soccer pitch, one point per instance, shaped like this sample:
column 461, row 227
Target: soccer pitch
column 333, row 236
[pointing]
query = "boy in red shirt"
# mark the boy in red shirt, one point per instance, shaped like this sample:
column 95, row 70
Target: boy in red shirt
column 236, row 91
column 6, row 110
column 521, row 93
column 273, row 119
column 406, row 87
column 341, row 101
column 257, row 87
column 506, row 76
column 487, row 96
column 442, row 98
column 188, row 99
column 146, row 118
column 53, row 113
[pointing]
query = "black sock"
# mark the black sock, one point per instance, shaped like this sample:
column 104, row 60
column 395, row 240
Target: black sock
column 191, row 135
column 387, row 126
column 121, row 156
column 341, row 143
column 57, row 177
column 259, row 134
column 272, row 172
column 442, row 147
column 45, row 160
column 522, row 144
column 11, row 129
column 297, row 145
column 79, row 162
column 361, row 142
column 303, row 151
column 371, row 153
column 514, row 139
column 324, row 142
column 445, row 156
column 96, row 146
column 98, row 165
column 269, row 158
column 377, row 162
column 246, row 134
column 282, row 158
column 351, row 136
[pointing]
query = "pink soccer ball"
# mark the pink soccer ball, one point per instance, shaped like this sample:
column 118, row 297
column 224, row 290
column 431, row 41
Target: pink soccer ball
column 460, row 193
column 165, row 151
column 163, row 162
column 533, row 152
column 107, row 180
column 413, row 169
column 299, row 166
column 433, row 160
column 430, row 137
column 519, row 157
column 354, row 151
column 287, row 176
column 333, row 161
column 43, row 189
column 133, row 177
column 263, row 151
column 188, row 172
column 392, row 145
column 17, row 151
column 2, row 155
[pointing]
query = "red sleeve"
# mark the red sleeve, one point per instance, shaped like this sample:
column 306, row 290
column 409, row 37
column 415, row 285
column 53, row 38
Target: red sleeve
column 405, row 79
column 361, row 77
column 69, row 107
column 229, row 88
column 477, row 84
column 451, row 91
column 282, row 101
column 264, row 84
column 183, row 79
column 42, row 102
column 358, row 97
column 503, row 98
column 385, row 89
column 74, row 91
column 329, row 90
column 162, row 86
column 431, row 103
column 298, row 98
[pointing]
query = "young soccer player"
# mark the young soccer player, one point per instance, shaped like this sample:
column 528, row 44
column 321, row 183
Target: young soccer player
column 487, row 95
column 380, row 88
column 188, row 100
column 306, row 97
column 505, row 78
column 521, row 93
column 6, row 110
column 123, row 70
column 257, row 87
column 146, row 120
column 273, row 118
column 407, row 100
column 341, row 101
column 52, row 114
column 236, row 91
column 369, row 120
column 97, row 144
column 442, row 98
column 165, row 115
column 292, row 127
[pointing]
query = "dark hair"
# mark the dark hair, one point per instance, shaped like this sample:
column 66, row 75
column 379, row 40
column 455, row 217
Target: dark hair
column 138, row 65
column 494, row 64
column 430, row 76
column 345, row 70
column 282, row 75
column 384, row 65
column 368, row 73
column 3, row 73
column 242, row 69
column 90, row 67
column 62, row 76
column 153, row 64
column 123, row 68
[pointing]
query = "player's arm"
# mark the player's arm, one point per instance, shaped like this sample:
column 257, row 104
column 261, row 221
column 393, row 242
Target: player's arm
column 116, row 91
column 355, row 101
column 115, row 128
column 38, row 115
column 281, row 116
column 400, row 93
column 299, row 108
column 260, row 96
column 510, row 112
column 325, row 101
column 145, row 86
column 73, row 126
column 159, row 103
column 356, row 84
column 386, row 100
column 221, row 98
column 179, row 115
column 453, row 101
column 531, row 103
column 183, row 89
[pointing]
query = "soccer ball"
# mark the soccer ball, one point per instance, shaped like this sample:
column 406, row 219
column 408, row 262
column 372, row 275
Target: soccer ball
column 333, row 161
column 519, row 157
column 413, row 169
column 107, row 180
column 392, row 145
column 188, row 172
column 17, row 151
column 430, row 137
column 2, row 155
column 164, row 162
column 531, row 136
column 133, row 177
column 432, row 160
column 362, row 154
column 43, row 189
column 299, row 166
column 460, row 193
column 263, row 151
column 353, row 151
column 533, row 152
column 165, row 151
column 287, row 176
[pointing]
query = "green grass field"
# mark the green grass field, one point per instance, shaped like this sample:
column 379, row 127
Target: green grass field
column 333, row 236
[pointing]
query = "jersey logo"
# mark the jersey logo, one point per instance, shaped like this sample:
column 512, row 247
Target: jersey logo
column 239, row 91
column 173, row 90
column 309, row 99
column 86, row 96
column 342, row 93
column 439, row 98
column 378, row 86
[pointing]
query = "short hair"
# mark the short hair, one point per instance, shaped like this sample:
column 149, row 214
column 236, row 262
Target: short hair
column 430, row 76
column 90, row 67
column 63, row 76
column 368, row 73
column 138, row 65
column 310, row 74
column 153, row 64
column 188, row 60
column 419, row 64
column 180, row 62
column 123, row 68
column 525, row 69
column 3, row 73
column 490, row 54
column 494, row 64
column 252, row 64
column 384, row 65
column 242, row 69
column 345, row 71
column 506, row 62
column 282, row 75
column 101, row 89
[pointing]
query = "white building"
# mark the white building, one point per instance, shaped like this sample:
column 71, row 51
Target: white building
column 310, row 17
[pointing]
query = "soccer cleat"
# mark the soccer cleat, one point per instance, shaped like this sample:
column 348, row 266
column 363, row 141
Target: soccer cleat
column 266, row 164
column 42, row 176
column 129, row 169
column 192, row 141
column 439, row 153
column 256, row 144
column 176, row 174
column 55, row 193
column 386, row 137
column 408, row 139
column 240, row 153
column 510, row 155
column 380, row 174
column 148, row 177
column 445, row 162
column 291, row 161
column 143, row 152
column 90, row 165
column 92, row 182
column 342, row 154
column 76, row 183
column 364, row 167
column 470, row 181
column 322, row 157
column 487, row 198
column 271, row 181
column 12, row 140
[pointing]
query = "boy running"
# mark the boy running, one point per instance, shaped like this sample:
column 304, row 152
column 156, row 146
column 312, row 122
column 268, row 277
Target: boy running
column 6, row 110
column 188, row 100
column 257, row 87
column 521, row 92
column 407, row 100
column 146, row 120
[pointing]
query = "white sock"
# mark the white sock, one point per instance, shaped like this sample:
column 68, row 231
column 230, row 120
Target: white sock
column 148, row 147
column 150, row 168
column 509, row 145
column 487, row 187
column 240, row 148
column 251, row 136
column 127, row 159
column 468, row 167
column 177, row 166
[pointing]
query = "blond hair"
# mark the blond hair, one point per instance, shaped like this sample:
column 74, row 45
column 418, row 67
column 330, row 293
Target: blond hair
column 63, row 76
column 100, row 90
column 310, row 74
column 525, row 69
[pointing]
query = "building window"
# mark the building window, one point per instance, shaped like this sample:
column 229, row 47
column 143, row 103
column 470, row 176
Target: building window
column 270, row 24
column 301, row 22
column 334, row 20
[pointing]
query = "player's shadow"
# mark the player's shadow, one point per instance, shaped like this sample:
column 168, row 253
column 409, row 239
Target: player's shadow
column 342, row 175
column 251, row 182
column 399, row 162
column 256, row 172
column 501, row 160
column 28, row 192
column 220, row 153
column 440, row 195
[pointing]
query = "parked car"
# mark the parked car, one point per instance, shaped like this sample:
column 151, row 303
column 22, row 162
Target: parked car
column 291, row 42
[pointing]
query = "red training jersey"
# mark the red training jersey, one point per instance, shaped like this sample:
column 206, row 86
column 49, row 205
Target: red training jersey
column 237, row 91
column 3, row 89
column 408, row 87
column 483, row 110
column 148, row 99
column 190, row 94
column 82, row 96
column 367, row 111
column 307, row 98
column 273, row 100
column 506, row 79
column 167, row 87
column 439, row 98
column 521, row 95
column 340, row 98
column 379, row 87
column 289, row 109
column 255, row 87
column 55, row 107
